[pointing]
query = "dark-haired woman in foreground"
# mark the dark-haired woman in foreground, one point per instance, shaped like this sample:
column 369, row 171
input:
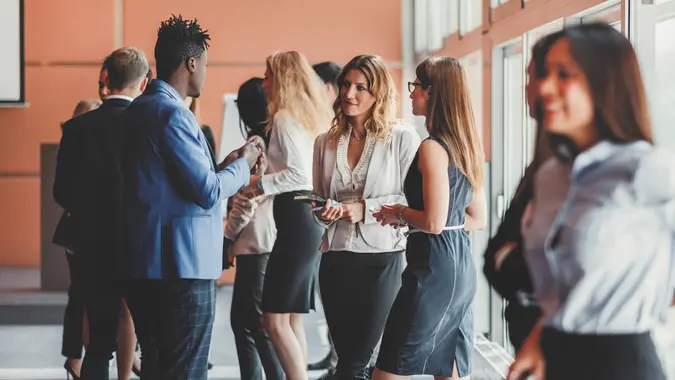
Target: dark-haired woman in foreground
column 606, row 273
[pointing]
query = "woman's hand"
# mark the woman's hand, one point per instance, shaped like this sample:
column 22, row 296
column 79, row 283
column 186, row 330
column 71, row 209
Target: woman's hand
column 252, row 190
column 387, row 215
column 353, row 212
column 529, row 360
column 330, row 211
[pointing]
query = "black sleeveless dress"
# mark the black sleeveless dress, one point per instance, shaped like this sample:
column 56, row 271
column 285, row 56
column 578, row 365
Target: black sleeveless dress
column 430, row 325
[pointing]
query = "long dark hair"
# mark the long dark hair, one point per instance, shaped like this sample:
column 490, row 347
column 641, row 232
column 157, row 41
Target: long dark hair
column 611, row 68
column 253, row 110
column 450, row 116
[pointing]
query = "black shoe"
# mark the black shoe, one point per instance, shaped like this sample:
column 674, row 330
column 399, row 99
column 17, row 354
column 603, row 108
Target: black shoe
column 70, row 372
column 136, row 370
column 209, row 366
column 322, row 364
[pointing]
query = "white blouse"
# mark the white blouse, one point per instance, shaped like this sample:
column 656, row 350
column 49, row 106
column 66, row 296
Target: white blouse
column 349, row 186
column 290, row 157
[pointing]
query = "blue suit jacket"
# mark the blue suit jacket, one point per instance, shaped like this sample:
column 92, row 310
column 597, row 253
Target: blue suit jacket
column 171, row 192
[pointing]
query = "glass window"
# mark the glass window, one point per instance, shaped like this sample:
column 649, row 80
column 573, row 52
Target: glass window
column 515, row 136
column 664, row 83
column 531, row 38
column 610, row 14
column 496, row 3
column 452, row 24
column 473, row 67
column 471, row 15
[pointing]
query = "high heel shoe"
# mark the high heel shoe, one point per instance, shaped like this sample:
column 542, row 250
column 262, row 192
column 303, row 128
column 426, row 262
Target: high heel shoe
column 69, row 371
column 136, row 370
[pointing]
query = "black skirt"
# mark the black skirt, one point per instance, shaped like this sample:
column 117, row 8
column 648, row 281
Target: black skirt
column 600, row 357
column 290, row 279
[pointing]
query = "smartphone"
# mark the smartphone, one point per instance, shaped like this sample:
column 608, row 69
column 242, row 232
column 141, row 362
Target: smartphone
column 317, row 200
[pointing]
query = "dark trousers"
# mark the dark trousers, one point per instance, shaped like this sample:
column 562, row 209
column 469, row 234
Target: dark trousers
column 71, row 345
column 173, row 320
column 103, row 304
column 254, row 348
column 358, row 290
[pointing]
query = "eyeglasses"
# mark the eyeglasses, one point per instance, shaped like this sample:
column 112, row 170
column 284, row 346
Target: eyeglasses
column 412, row 85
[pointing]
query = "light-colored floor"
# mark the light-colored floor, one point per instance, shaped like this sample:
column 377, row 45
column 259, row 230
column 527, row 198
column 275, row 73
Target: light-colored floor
column 32, row 350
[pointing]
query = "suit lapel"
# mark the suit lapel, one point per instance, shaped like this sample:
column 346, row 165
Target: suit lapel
column 377, row 160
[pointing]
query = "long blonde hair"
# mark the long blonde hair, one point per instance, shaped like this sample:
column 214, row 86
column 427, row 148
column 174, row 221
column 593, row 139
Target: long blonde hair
column 299, row 91
column 450, row 115
column 380, row 85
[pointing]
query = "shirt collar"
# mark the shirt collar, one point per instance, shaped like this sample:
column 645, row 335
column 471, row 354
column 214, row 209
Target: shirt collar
column 160, row 84
column 124, row 97
column 600, row 152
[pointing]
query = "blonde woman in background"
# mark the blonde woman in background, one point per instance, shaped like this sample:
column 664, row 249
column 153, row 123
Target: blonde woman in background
column 299, row 111
column 361, row 163
column 430, row 326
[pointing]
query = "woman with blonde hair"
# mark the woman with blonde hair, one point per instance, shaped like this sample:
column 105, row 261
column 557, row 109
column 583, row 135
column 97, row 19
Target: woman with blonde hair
column 299, row 111
column 361, row 163
column 430, row 326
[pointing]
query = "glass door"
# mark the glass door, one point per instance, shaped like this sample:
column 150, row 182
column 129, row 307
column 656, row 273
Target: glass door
column 508, row 150
column 656, row 50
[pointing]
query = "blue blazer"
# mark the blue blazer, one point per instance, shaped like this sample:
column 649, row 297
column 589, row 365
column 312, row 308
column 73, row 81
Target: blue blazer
column 171, row 192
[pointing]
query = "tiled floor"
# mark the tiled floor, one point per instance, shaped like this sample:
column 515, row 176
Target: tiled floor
column 32, row 351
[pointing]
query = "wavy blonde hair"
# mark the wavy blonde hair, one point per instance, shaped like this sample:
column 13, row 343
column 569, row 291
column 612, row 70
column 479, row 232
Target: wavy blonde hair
column 299, row 91
column 380, row 85
column 450, row 115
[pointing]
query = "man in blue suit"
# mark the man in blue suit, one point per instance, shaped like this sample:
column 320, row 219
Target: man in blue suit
column 171, row 201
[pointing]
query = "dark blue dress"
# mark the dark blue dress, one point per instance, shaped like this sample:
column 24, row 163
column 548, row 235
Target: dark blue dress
column 430, row 325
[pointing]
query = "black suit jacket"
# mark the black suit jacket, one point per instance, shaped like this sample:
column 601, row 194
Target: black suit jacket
column 88, row 184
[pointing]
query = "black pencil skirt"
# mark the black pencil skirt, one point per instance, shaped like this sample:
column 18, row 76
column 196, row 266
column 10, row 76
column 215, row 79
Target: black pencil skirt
column 600, row 357
column 290, row 279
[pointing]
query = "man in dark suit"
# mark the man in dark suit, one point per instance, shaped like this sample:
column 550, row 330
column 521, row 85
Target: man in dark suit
column 87, row 173
column 172, row 209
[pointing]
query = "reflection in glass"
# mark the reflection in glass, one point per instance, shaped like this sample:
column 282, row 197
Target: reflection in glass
column 514, row 122
column 664, row 83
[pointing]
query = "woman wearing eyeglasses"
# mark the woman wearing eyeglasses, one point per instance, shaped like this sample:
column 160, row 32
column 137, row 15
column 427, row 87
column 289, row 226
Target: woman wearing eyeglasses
column 430, row 326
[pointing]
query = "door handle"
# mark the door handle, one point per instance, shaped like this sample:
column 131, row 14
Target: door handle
column 500, row 206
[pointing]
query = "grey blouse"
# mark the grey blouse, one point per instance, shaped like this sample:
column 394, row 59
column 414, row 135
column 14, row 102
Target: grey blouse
column 608, row 261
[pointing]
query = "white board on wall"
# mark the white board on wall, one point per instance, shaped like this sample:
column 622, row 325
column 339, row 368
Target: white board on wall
column 11, row 45
column 230, row 132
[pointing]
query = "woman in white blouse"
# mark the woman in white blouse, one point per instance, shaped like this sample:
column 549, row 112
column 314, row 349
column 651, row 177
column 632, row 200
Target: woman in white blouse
column 299, row 111
column 360, row 163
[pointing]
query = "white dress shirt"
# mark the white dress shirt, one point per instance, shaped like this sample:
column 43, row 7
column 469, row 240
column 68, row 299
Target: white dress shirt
column 290, row 155
column 609, row 257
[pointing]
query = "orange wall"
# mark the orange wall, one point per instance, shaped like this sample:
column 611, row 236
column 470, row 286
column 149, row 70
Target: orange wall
column 66, row 40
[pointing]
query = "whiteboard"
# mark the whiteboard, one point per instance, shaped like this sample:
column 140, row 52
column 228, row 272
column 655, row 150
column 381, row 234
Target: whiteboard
column 11, row 45
column 230, row 131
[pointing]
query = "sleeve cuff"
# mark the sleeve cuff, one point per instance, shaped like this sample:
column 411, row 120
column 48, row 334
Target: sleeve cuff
column 267, row 184
column 368, row 217
column 320, row 222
